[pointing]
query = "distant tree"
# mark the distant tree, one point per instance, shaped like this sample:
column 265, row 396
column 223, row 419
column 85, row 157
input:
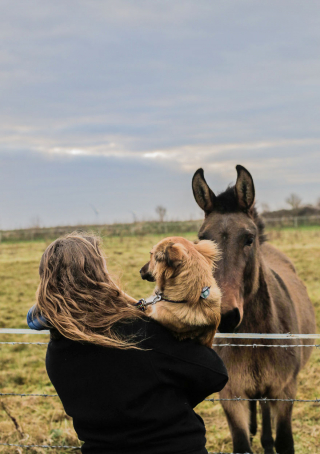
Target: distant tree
column 35, row 222
column 294, row 201
column 161, row 212
column 318, row 203
column 265, row 207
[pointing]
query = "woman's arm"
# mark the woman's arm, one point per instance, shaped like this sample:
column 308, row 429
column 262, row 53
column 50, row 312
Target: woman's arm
column 196, row 380
column 186, row 365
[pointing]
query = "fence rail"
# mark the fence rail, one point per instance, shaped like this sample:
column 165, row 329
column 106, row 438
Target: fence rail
column 294, row 221
column 249, row 336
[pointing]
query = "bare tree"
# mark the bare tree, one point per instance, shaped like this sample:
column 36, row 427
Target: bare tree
column 161, row 212
column 294, row 201
column 35, row 222
column 265, row 207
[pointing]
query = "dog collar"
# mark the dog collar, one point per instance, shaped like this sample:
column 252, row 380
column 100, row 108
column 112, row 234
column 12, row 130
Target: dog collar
column 205, row 293
column 142, row 304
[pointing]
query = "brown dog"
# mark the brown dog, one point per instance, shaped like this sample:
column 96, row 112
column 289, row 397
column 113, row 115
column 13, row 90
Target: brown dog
column 181, row 270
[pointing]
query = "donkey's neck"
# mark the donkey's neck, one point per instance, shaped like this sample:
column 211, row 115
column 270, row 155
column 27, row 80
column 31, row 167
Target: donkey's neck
column 259, row 310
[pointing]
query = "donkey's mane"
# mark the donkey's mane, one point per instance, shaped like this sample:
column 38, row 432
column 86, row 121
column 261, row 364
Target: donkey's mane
column 227, row 202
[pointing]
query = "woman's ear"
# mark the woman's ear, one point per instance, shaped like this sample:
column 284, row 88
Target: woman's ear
column 174, row 254
column 208, row 249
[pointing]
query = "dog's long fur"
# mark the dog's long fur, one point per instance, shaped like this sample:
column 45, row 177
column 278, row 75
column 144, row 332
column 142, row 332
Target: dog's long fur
column 181, row 269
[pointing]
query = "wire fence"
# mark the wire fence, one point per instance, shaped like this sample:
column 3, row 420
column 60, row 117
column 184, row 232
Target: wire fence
column 247, row 336
column 74, row 448
column 213, row 345
column 235, row 399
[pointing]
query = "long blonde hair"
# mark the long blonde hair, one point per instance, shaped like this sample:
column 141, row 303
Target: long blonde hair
column 77, row 296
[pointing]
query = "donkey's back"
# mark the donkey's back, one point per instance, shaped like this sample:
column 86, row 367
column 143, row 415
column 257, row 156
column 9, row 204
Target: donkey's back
column 302, row 309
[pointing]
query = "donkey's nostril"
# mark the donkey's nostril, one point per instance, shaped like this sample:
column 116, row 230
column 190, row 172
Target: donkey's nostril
column 229, row 321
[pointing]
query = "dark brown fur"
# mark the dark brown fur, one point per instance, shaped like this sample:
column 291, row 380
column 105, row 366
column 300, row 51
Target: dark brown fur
column 261, row 293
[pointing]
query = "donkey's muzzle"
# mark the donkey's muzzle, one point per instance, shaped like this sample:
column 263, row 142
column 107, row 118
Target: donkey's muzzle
column 229, row 321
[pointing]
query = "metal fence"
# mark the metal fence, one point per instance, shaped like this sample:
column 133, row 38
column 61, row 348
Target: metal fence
column 142, row 228
column 247, row 336
column 292, row 221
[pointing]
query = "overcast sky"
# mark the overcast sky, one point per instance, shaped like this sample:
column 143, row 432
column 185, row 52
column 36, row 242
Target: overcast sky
column 115, row 104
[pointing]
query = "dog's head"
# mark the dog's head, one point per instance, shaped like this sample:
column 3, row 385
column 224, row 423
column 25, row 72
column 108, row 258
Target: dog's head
column 175, row 260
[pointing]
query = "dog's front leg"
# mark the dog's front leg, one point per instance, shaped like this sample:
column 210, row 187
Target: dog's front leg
column 164, row 316
column 207, row 338
column 129, row 298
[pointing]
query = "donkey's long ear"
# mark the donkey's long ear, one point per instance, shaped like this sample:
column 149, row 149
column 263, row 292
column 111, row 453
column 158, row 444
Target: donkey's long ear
column 244, row 188
column 205, row 198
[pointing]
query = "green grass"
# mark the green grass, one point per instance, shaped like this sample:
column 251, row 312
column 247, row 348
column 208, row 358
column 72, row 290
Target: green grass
column 22, row 369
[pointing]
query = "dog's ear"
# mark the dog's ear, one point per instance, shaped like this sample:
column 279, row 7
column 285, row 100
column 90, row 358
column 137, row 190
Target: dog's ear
column 208, row 249
column 175, row 252
column 172, row 255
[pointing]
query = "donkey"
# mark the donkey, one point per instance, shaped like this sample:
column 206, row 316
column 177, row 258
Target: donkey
column 261, row 293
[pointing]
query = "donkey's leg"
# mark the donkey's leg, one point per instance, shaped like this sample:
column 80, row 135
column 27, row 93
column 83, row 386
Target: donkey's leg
column 266, row 436
column 253, row 419
column 238, row 419
column 284, row 440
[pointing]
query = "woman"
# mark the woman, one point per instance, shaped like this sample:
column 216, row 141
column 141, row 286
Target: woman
column 126, row 381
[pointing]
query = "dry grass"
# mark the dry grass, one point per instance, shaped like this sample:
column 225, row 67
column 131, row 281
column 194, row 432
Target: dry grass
column 22, row 370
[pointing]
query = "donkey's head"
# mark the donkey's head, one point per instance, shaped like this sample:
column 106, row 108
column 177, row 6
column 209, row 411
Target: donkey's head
column 231, row 220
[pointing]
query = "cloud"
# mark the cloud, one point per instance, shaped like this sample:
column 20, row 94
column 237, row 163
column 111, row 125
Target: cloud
column 185, row 158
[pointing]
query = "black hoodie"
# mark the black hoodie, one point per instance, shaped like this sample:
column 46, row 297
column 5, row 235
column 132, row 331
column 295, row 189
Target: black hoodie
column 136, row 401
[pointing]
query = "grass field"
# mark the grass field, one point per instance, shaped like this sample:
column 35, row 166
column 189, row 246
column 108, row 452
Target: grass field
column 22, row 369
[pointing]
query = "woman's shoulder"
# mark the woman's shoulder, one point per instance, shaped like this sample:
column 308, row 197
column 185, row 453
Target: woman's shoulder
column 149, row 335
column 144, row 330
column 153, row 336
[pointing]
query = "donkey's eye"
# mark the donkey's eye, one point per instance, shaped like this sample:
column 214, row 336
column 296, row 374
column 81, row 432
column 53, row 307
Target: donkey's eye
column 204, row 236
column 249, row 241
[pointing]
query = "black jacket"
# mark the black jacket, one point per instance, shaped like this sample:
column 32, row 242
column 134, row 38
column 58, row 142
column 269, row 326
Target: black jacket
column 131, row 401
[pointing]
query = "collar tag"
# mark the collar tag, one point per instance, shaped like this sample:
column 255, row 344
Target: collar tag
column 205, row 292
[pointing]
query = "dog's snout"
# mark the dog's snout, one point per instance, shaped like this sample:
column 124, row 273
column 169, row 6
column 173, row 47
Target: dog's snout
column 145, row 273
column 147, row 277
